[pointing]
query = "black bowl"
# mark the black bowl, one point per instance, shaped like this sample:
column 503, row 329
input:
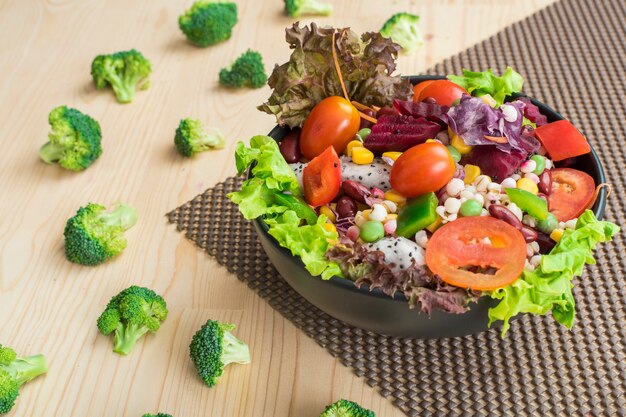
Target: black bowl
column 376, row 311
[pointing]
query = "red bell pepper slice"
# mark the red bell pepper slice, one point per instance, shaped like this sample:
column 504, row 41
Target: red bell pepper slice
column 322, row 178
column 562, row 140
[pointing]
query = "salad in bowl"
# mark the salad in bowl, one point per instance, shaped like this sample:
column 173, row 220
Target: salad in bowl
column 458, row 196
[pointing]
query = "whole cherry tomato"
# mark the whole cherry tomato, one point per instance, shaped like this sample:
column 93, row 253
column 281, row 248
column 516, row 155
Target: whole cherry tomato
column 333, row 121
column 417, row 89
column 423, row 168
column 444, row 92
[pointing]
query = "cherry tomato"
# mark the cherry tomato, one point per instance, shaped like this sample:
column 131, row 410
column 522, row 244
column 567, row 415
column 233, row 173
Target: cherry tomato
column 417, row 89
column 562, row 140
column 322, row 178
column 333, row 121
column 572, row 191
column 483, row 242
column 423, row 168
column 444, row 92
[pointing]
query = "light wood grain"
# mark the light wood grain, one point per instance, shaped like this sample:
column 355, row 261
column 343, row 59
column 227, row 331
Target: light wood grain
column 50, row 305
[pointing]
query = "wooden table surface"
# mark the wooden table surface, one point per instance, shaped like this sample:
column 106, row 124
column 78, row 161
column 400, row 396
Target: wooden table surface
column 50, row 305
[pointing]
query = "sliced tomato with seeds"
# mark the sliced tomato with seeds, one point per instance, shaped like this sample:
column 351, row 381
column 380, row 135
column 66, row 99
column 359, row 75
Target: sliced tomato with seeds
column 321, row 178
column 572, row 191
column 478, row 253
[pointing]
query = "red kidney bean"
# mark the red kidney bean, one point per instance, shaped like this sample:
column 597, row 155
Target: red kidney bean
column 290, row 146
column 367, row 123
column 355, row 190
column 430, row 100
column 346, row 207
column 545, row 182
column 545, row 243
column 502, row 213
column 530, row 234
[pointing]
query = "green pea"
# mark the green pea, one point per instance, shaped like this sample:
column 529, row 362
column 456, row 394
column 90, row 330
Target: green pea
column 549, row 224
column 471, row 207
column 372, row 231
column 363, row 134
column 454, row 153
column 541, row 164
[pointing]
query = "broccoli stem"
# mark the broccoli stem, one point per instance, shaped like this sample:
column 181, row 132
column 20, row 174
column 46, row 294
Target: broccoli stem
column 51, row 152
column 127, row 336
column 234, row 350
column 315, row 7
column 25, row 369
column 211, row 139
column 123, row 216
column 125, row 92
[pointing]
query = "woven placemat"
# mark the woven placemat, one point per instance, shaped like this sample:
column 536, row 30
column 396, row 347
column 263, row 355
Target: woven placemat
column 572, row 57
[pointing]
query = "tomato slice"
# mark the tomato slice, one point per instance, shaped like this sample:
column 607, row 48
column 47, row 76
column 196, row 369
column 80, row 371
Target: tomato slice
column 562, row 140
column 483, row 242
column 444, row 92
column 572, row 191
column 322, row 178
column 417, row 89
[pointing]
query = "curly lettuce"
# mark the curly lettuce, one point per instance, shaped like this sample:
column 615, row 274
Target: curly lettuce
column 549, row 286
column 309, row 76
column 486, row 82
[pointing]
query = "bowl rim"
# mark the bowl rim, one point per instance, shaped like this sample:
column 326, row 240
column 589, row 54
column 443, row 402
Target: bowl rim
column 599, row 206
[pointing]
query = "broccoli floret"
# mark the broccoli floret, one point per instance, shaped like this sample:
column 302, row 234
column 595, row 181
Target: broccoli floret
column 124, row 71
column 247, row 71
column 297, row 8
column 213, row 347
column 75, row 139
column 157, row 415
column 403, row 29
column 191, row 138
column 208, row 22
column 345, row 408
column 15, row 372
column 93, row 235
column 131, row 314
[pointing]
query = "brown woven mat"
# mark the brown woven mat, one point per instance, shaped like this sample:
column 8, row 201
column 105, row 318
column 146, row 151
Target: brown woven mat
column 572, row 56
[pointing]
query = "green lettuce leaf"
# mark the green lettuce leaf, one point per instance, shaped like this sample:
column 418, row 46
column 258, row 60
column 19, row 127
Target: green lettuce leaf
column 486, row 82
column 549, row 286
column 309, row 76
column 309, row 242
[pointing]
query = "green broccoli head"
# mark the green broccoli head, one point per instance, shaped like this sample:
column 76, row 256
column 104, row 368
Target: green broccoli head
column 75, row 139
column 297, row 8
column 94, row 235
column 345, row 408
column 247, row 71
column 131, row 314
column 403, row 29
column 213, row 347
column 124, row 71
column 157, row 415
column 191, row 138
column 208, row 22
column 15, row 372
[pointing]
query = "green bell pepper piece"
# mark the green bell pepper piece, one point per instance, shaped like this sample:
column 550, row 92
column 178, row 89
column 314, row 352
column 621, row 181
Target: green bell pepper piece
column 528, row 202
column 302, row 209
column 418, row 214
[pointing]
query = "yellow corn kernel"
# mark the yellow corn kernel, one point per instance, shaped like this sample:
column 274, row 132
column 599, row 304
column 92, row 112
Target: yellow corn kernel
column 556, row 234
column 330, row 227
column 457, row 142
column 430, row 140
column 328, row 213
column 471, row 173
column 435, row 225
column 366, row 213
column 528, row 185
column 362, row 156
column 353, row 144
column 391, row 216
column 392, row 155
column 487, row 99
column 393, row 195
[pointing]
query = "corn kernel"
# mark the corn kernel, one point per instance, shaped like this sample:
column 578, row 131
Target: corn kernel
column 362, row 156
column 435, row 225
column 391, row 216
column 392, row 155
column 328, row 213
column 353, row 144
column 556, row 234
column 457, row 142
column 471, row 173
column 393, row 195
column 528, row 185
column 430, row 140
column 330, row 227
column 366, row 213
column 488, row 99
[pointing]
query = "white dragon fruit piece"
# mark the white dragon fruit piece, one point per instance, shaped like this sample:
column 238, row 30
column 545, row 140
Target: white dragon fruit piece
column 399, row 252
column 371, row 175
